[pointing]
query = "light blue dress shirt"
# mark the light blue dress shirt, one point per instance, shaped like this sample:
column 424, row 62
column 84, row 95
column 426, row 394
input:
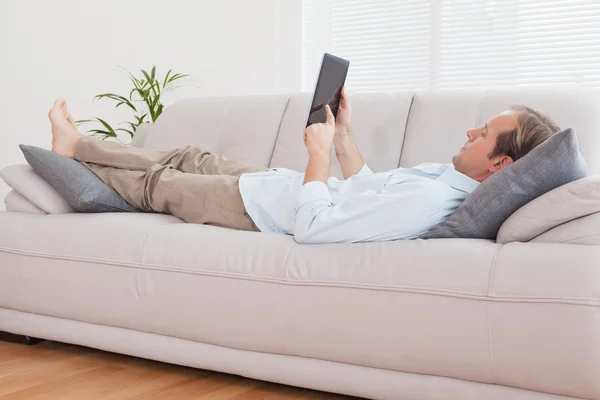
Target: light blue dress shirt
column 399, row 204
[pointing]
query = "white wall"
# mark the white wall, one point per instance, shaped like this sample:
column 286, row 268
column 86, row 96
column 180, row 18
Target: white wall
column 71, row 49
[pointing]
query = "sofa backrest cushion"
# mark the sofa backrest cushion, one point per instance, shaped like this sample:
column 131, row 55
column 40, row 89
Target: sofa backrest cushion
column 392, row 129
column 240, row 128
column 439, row 119
column 378, row 124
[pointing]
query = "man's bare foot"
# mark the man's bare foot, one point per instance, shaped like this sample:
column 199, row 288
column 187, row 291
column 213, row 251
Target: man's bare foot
column 64, row 133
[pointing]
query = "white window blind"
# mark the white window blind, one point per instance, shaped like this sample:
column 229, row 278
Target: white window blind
column 420, row 44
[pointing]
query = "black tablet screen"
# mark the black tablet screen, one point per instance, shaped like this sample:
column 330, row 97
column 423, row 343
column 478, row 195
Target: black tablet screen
column 331, row 80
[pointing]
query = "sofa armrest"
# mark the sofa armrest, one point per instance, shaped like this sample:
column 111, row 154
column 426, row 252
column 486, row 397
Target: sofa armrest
column 585, row 230
column 23, row 179
column 16, row 202
column 556, row 208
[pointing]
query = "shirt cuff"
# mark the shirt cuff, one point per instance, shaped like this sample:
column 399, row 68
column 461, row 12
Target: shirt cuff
column 365, row 170
column 313, row 191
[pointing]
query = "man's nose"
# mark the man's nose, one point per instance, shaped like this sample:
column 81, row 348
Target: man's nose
column 471, row 134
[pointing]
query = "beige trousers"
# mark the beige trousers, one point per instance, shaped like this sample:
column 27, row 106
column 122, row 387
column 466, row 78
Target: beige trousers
column 188, row 182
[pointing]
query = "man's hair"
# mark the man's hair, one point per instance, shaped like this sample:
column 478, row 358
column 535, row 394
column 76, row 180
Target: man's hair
column 533, row 128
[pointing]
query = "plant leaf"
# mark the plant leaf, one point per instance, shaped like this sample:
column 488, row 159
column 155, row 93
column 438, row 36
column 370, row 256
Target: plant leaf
column 153, row 72
column 111, row 96
column 159, row 110
column 136, row 82
column 155, row 102
column 153, row 108
column 141, row 92
column 177, row 76
column 132, row 125
column 151, row 80
column 146, row 75
column 97, row 132
column 125, row 130
column 83, row 121
column 116, row 97
column 107, row 126
column 167, row 78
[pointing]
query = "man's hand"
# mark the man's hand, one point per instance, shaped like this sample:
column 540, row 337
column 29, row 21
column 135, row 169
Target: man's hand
column 345, row 146
column 318, row 139
column 343, row 120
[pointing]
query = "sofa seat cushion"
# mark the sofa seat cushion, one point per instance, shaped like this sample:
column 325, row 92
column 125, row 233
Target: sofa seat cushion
column 391, row 305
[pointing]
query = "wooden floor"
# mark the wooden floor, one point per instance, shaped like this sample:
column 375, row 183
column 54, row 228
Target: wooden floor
column 51, row 370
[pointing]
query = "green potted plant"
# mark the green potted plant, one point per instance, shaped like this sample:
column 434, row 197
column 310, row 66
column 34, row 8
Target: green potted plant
column 144, row 101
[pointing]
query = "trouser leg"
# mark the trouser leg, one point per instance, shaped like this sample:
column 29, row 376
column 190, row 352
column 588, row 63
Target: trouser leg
column 202, row 199
column 191, row 159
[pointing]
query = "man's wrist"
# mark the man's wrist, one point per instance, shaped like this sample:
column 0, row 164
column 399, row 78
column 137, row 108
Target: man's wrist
column 344, row 131
column 318, row 167
column 320, row 156
column 345, row 147
column 344, row 141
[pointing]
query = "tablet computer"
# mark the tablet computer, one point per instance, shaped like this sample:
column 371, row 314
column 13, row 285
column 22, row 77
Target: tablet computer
column 329, row 86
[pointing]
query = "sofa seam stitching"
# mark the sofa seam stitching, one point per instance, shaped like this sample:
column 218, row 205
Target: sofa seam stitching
column 489, row 323
column 567, row 241
column 492, row 270
column 487, row 311
column 222, row 128
column 405, row 133
column 287, row 256
column 344, row 284
column 287, row 105
column 144, row 245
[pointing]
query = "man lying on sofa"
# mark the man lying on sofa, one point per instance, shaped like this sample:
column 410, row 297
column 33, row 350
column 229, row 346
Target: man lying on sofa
column 200, row 187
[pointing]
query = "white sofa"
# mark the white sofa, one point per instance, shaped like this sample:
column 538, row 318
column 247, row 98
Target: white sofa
column 418, row 320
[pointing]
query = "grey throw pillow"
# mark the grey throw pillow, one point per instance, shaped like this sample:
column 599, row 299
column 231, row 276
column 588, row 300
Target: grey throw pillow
column 554, row 163
column 79, row 186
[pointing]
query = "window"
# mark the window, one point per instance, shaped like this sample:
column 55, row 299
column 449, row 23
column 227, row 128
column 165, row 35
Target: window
column 436, row 44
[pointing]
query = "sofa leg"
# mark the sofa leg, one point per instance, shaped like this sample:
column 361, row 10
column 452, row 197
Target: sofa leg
column 21, row 339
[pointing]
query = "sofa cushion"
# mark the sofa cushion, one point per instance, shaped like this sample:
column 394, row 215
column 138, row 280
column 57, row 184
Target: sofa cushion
column 554, row 163
column 563, row 204
column 16, row 202
column 79, row 186
column 24, row 180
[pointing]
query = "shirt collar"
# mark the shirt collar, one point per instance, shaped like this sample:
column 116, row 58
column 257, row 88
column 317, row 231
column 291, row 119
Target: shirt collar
column 457, row 180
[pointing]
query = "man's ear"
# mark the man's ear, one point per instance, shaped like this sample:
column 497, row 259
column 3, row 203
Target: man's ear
column 501, row 162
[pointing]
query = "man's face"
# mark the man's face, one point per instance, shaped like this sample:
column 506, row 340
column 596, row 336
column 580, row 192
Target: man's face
column 472, row 159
